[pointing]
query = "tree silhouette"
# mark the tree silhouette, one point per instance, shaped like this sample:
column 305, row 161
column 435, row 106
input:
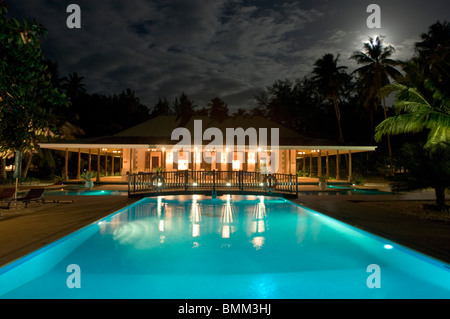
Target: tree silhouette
column 377, row 68
column 330, row 80
column 73, row 86
column 434, row 52
column 183, row 108
column 218, row 109
column 161, row 108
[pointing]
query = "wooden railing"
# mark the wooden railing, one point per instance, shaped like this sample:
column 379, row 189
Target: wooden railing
column 145, row 183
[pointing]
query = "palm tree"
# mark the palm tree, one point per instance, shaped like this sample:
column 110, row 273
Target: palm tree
column 330, row 80
column 377, row 68
column 435, row 44
column 183, row 108
column 434, row 52
column 415, row 114
column 218, row 109
column 73, row 85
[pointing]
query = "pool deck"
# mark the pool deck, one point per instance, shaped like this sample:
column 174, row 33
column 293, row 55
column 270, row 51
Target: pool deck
column 23, row 230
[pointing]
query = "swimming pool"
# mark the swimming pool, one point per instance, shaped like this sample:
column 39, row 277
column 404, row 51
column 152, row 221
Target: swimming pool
column 239, row 247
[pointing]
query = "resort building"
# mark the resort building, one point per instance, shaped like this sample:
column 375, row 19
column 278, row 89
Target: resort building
column 149, row 146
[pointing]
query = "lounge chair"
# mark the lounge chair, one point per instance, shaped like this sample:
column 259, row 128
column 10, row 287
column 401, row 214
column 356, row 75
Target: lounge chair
column 7, row 195
column 34, row 195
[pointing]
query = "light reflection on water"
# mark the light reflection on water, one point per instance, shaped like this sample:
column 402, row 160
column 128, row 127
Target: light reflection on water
column 233, row 247
column 150, row 224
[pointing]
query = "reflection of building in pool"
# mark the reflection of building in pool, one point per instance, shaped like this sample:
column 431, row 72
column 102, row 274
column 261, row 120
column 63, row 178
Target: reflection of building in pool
column 148, row 147
column 196, row 217
column 259, row 223
column 227, row 218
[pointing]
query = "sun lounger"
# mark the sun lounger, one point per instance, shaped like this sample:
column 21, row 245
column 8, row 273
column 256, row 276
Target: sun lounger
column 34, row 195
column 7, row 195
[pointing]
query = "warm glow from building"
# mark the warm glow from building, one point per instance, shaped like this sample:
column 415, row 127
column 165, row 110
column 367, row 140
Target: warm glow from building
column 182, row 164
column 169, row 157
column 251, row 158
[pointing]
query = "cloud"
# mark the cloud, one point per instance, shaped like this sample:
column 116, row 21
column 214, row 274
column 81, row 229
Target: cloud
column 226, row 48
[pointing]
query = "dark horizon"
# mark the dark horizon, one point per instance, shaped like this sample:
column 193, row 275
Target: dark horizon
column 230, row 49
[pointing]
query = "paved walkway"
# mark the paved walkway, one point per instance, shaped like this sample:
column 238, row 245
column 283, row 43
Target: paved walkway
column 25, row 230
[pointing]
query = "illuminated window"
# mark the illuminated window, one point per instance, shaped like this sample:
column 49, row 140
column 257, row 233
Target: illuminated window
column 251, row 158
column 169, row 158
column 182, row 164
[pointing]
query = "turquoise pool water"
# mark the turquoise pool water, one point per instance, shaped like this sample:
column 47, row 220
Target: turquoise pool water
column 229, row 247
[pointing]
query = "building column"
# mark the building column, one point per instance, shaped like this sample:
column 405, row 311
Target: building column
column 106, row 163
column 163, row 158
column 290, row 168
column 66, row 165
column 337, row 165
column 112, row 164
column 349, row 165
column 257, row 164
column 310, row 165
column 131, row 161
column 79, row 164
column 327, row 168
column 89, row 161
column 319, row 163
column 98, row 166
column 304, row 165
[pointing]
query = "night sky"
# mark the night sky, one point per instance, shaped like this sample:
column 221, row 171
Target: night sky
column 207, row 48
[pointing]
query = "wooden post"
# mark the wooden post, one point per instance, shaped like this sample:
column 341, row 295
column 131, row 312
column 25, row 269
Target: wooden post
column 131, row 161
column 257, row 161
column 112, row 165
column 337, row 165
column 319, row 163
column 310, row 165
column 349, row 165
column 290, row 168
column 79, row 164
column 89, row 161
column 66, row 165
column 327, row 168
column 106, row 163
column 304, row 165
column 163, row 159
column 98, row 166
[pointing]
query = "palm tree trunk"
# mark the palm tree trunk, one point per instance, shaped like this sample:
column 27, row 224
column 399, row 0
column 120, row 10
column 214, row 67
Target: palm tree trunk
column 27, row 164
column 338, row 116
column 3, row 168
column 388, row 140
column 440, row 196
